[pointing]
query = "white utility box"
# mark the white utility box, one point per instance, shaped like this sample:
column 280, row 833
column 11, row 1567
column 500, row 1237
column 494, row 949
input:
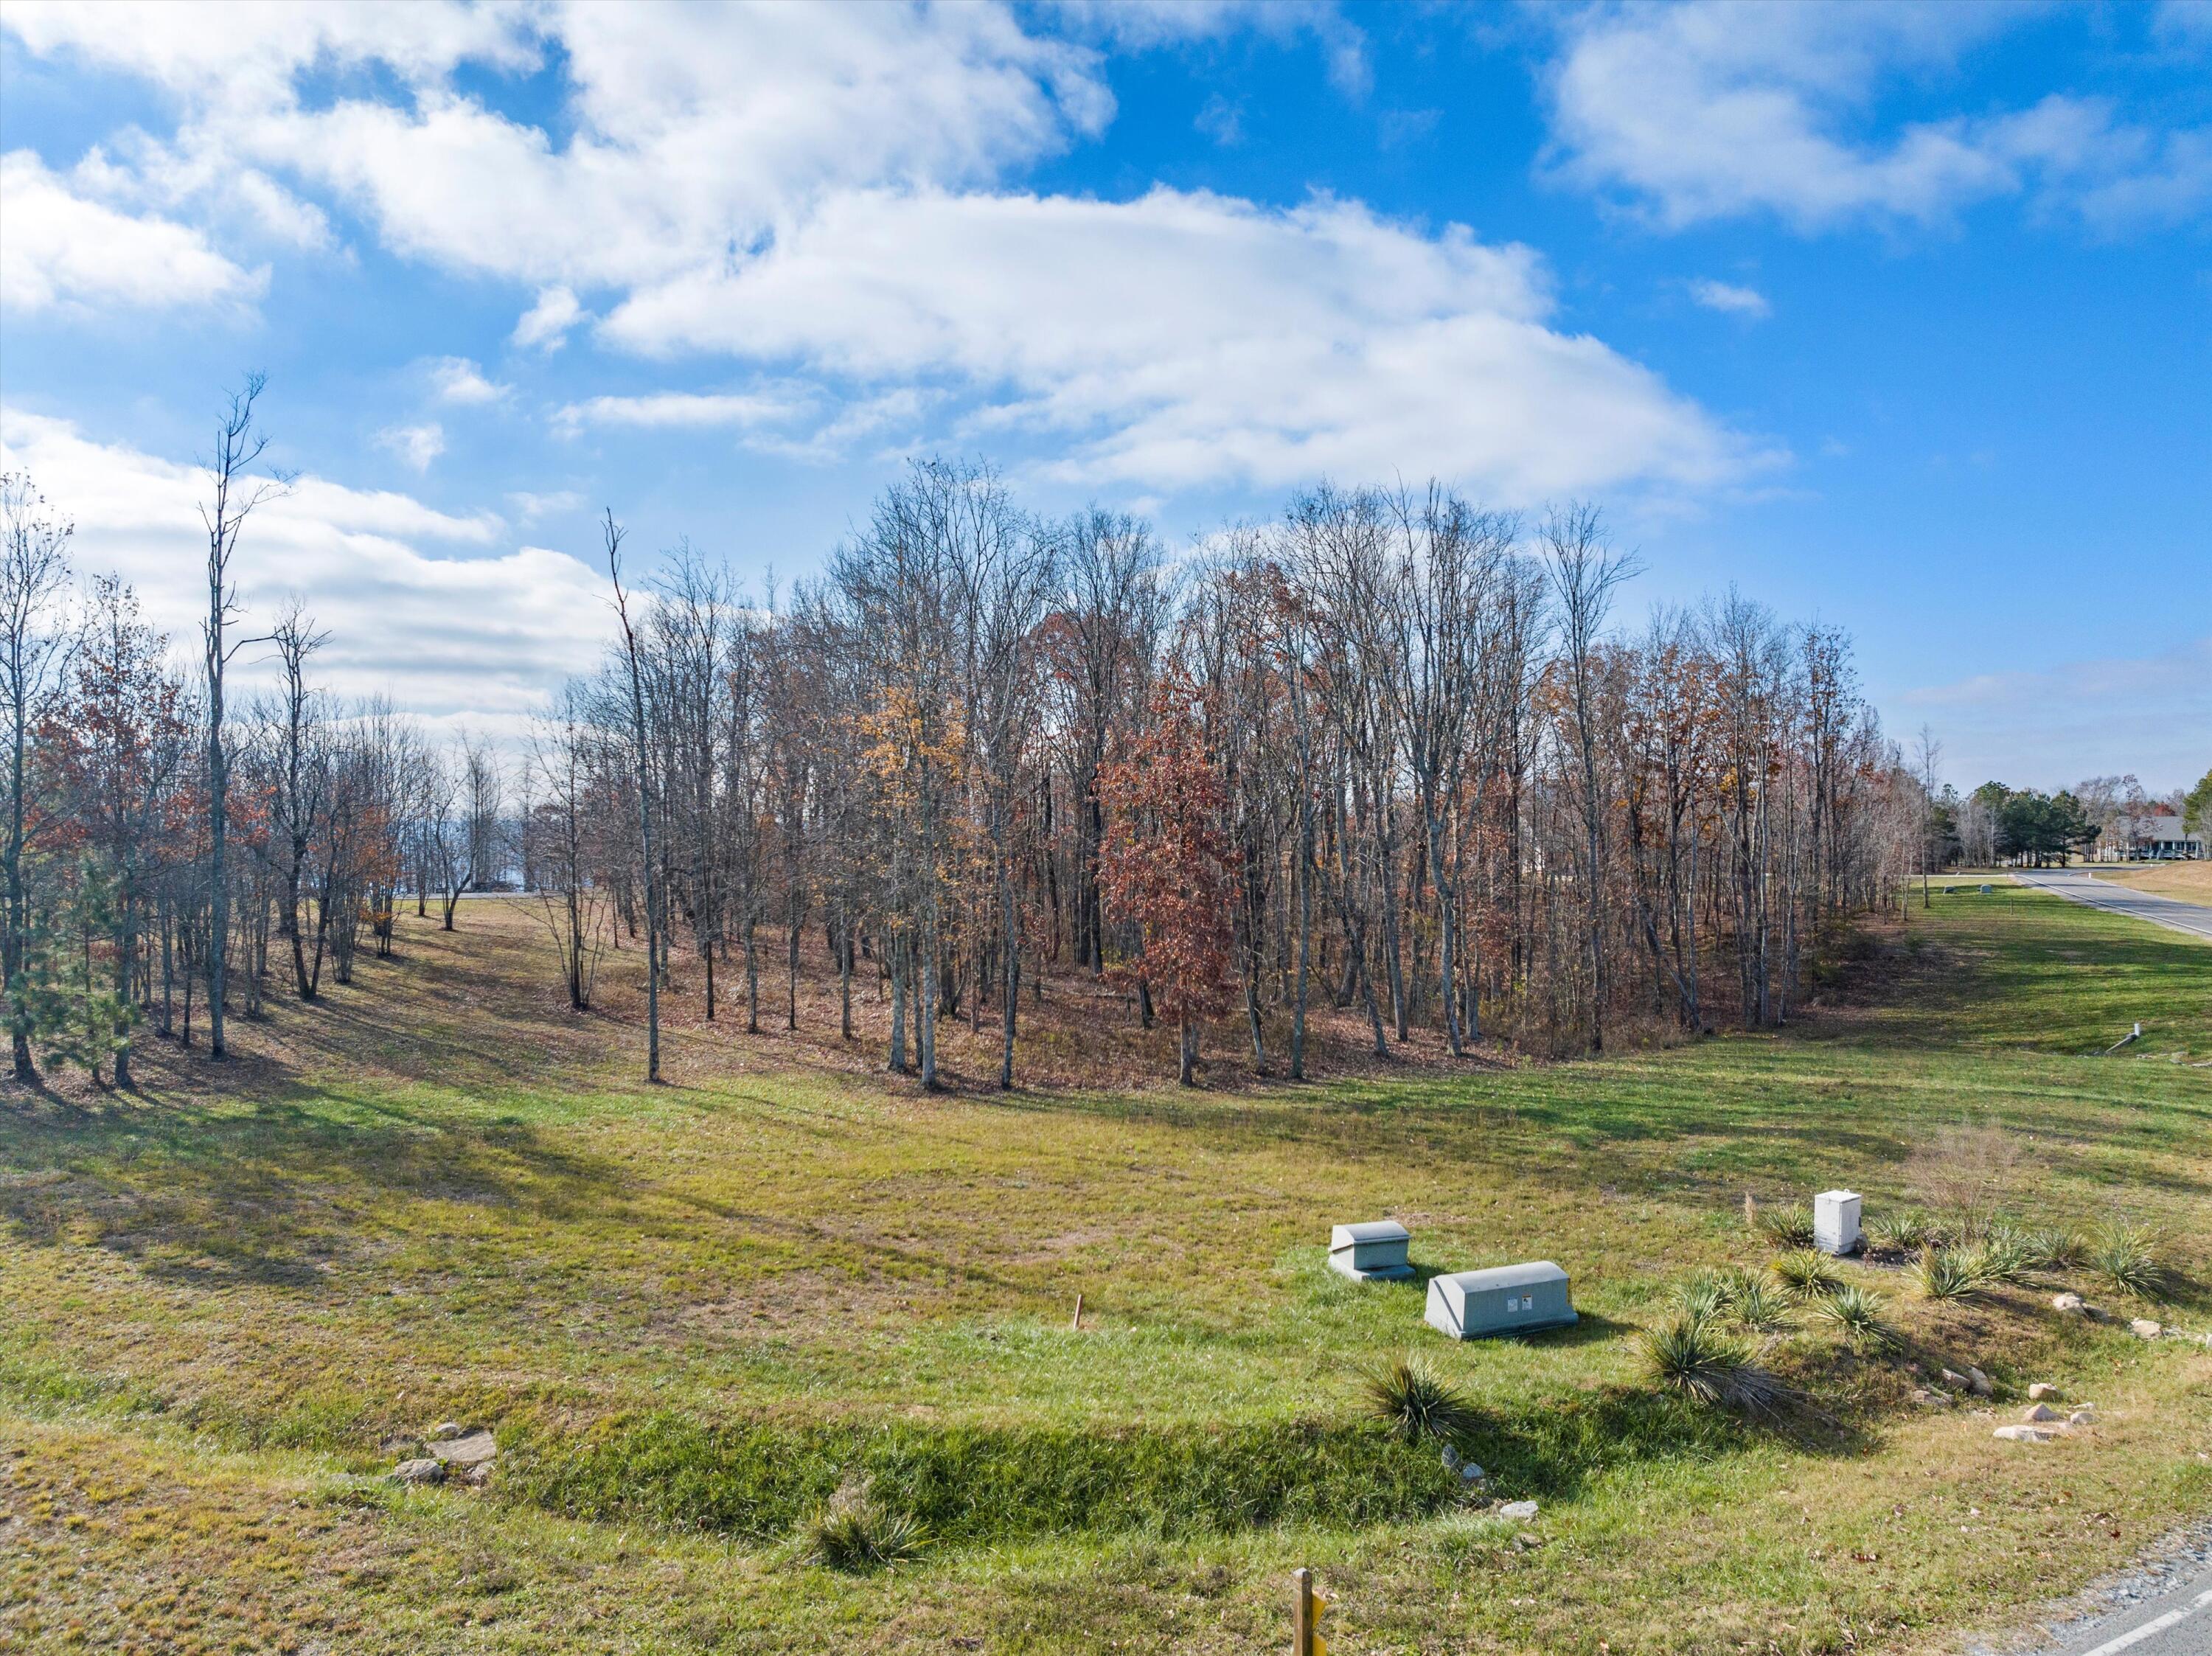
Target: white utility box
column 1506, row 1299
column 1372, row 1252
column 1836, row 1221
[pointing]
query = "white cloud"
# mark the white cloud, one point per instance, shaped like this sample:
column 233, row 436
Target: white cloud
column 529, row 508
column 62, row 251
column 1699, row 112
column 463, row 630
column 546, row 324
column 1268, row 346
column 676, row 410
column 1730, row 299
column 458, row 379
column 416, row 445
column 810, row 190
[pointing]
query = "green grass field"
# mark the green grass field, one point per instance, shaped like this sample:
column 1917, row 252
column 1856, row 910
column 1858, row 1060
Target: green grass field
column 691, row 1312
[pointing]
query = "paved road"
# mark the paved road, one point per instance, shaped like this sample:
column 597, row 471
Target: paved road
column 2176, row 1622
column 2190, row 919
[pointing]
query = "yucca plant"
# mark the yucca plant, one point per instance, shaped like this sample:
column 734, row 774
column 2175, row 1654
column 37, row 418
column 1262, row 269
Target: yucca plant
column 1788, row 1226
column 855, row 1532
column 1760, row 1308
column 2004, row 1255
column 1857, row 1312
column 2053, row 1249
column 1943, row 1273
column 1692, row 1356
column 1805, row 1273
column 1416, row 1402
column 2126, row 1255
column 1705, row 1292
column 1907, row 1230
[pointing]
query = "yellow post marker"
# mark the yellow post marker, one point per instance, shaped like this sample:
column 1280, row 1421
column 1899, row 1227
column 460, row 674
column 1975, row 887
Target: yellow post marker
column 1317, row 1645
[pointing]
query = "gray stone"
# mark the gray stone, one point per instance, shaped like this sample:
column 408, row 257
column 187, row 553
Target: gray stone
column 1518, row 1509
column 1977, row 1382
column 1954, row 1379
column 2070, row 1303
column 425, row 1471
column 2144, row 1329
column 1470, row 1473
column 2041, row 1389
column 2085, row 1416
column 1928, row 1399
column 2040, row 1411
column 472, row 1449
column 2024, row 1433
column 446, row 1430
column 477, row 1475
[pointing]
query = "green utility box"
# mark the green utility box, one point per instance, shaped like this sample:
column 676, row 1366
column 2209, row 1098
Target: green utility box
column 1506, row 1299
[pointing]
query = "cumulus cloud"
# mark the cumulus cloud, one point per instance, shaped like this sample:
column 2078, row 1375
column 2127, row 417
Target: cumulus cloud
column 1267, row 346
column 458, row 379
column 416, row 445
column 694, row 127
column 1729, row 298
column 64, row 252
column 419, row 603
column 1698, row 112
column 546, row 324
column 817, row 193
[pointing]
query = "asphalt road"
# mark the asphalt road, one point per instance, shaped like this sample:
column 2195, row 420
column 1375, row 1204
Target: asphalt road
column 2176, row 1622
column 2190, row 919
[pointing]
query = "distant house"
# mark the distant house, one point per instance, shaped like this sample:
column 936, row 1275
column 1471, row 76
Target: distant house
column 2154, row 834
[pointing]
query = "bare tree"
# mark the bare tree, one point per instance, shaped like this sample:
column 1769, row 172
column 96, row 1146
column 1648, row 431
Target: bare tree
column 34, row 572
column 642, row 758
column 234, row 495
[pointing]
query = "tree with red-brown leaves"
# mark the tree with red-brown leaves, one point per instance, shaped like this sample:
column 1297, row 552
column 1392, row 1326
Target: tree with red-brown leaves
column 1169, row 865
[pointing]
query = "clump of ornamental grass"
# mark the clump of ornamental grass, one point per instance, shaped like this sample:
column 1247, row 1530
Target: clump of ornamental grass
column 1760, row 1308
column 1944, row 1273
column 1693, row 1357
column 1806, row 1273
column 1789, row 1225
column 1856, row 1314
column 1415, row 1402
column 855, row 1533
column 1907, row 1230
column 2126, row 1255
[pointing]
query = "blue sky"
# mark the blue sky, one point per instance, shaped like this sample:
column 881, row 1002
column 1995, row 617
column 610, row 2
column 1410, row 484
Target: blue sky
column 1897, row 316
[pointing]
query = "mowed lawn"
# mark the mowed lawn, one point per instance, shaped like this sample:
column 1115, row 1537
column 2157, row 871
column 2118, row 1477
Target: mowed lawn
column 228, row 1302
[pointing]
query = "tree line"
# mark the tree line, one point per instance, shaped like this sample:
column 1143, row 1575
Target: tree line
column 1386, row 754
column 1392, row 753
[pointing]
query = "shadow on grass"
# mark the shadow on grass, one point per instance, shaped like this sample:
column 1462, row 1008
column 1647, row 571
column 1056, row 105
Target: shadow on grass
column 263, row 1190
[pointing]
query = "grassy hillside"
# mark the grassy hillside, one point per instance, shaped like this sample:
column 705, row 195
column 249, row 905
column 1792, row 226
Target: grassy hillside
column 691, row 1312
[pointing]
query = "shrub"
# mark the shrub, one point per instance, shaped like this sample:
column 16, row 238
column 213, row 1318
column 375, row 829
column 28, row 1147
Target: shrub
column 1857, row 1312
column 1944, row 1273
column 2126, row 1256
column 1761, row 1307
column 1905, row 1231
column 855, row 1532
column 1805, row 1273
column 1415, row 1402
column 1788, row 1226
column 1692, row 1357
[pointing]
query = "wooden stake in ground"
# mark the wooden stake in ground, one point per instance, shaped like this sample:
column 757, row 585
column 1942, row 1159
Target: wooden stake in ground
column 1077, row 1322
column 1306, row 1608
